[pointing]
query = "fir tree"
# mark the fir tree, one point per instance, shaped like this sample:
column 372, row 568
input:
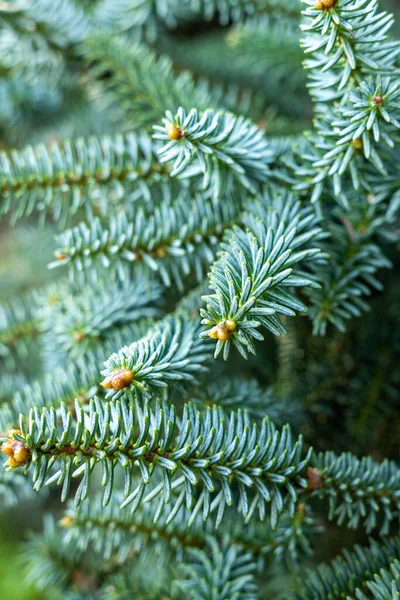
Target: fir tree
column 199, row 376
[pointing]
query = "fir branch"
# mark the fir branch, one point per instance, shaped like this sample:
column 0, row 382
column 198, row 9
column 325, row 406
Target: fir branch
column 255, row 269
column 174, row 241
column 355, row 259
column 115, row 531
column 220, row 571
column 63, row 178
column 231, row 393
column 359, row 490
column 225, row 148
column 170, row 351
column 19, row 328
column 349, row 575
column 207, row 449
column 137, row 84
column 85, row 321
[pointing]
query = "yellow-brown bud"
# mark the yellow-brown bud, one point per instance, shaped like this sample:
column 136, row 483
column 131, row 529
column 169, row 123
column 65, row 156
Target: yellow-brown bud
column 61, row 255
column 67, row 521
column 174, row 132
column 314, row 479
column 230, row 325
column 357, row 144
column 377, row 100
column 118, row 380
column 18, row 453
column 324, row 4
column 213, row 333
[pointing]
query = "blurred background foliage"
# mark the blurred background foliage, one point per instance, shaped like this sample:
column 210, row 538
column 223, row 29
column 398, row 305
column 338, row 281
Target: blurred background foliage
column 329, row 375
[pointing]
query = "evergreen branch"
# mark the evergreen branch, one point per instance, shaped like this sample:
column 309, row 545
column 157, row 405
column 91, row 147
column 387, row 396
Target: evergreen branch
column 350, row 575
column 206, row 449
column 351, row 273
column 227, row 13
column 113, row 530
column 63, row 178
column 136, row 83
column 174, row 241
column 42, row 19
column 81, row 322
column 255, row 269
column 233, row 393
column 19, row 327
column 225, row 148
column 359, row 490
column 170, row 351
column 220, row 571
column 14, row 490
column 62, row 385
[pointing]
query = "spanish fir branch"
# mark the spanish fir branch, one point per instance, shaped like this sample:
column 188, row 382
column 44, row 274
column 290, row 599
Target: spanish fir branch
column 79, row 380
column 347, row 41
column 19, row 327
column 224, row 148
column 360, row 491
column 221, row 571
column 175, row 241
column 350, row 276
column 14, row 490
column 353, row 70
column 257, row 267
column 113, row 530
column 82, row 322
column 88, row 174
column 137, row 84
column 350, row 575
column 227, row 13
column 231, row 393
column 208, row 450
column 171, row 351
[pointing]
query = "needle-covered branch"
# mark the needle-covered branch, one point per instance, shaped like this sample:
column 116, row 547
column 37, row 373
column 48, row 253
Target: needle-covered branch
column 115, row 531
column 209, row 452
column 175, row 241
column 228, row 151
column 63, row 178
column 257, row 270
column 350, row 575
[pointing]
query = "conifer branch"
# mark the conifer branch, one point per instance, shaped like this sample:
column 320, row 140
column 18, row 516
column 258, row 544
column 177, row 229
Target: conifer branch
column 174, row 241
column 359, row 490
column 224, row 148
column 113, row 530
column 256, row 269
column 221, row 570
column 84, row 174
column 209, row 450
column 351, row 574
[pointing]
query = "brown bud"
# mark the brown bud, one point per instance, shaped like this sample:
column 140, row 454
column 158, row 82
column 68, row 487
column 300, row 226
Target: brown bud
column 67, row 521
column 357, row 144
column 213, row 333
column 314, row 479
column 174, row 132
column 106, row 383
column 78, row 336
column 223, row 334
column 18, row 453
column 61, row 255
column 324, row 4
column 377, row 100
column 161, row 252
column 118, row 380
column 230, row 325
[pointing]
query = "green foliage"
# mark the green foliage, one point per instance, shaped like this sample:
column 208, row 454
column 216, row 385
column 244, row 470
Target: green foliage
column 165, row 141
column 207, row 449
column 256, row 267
